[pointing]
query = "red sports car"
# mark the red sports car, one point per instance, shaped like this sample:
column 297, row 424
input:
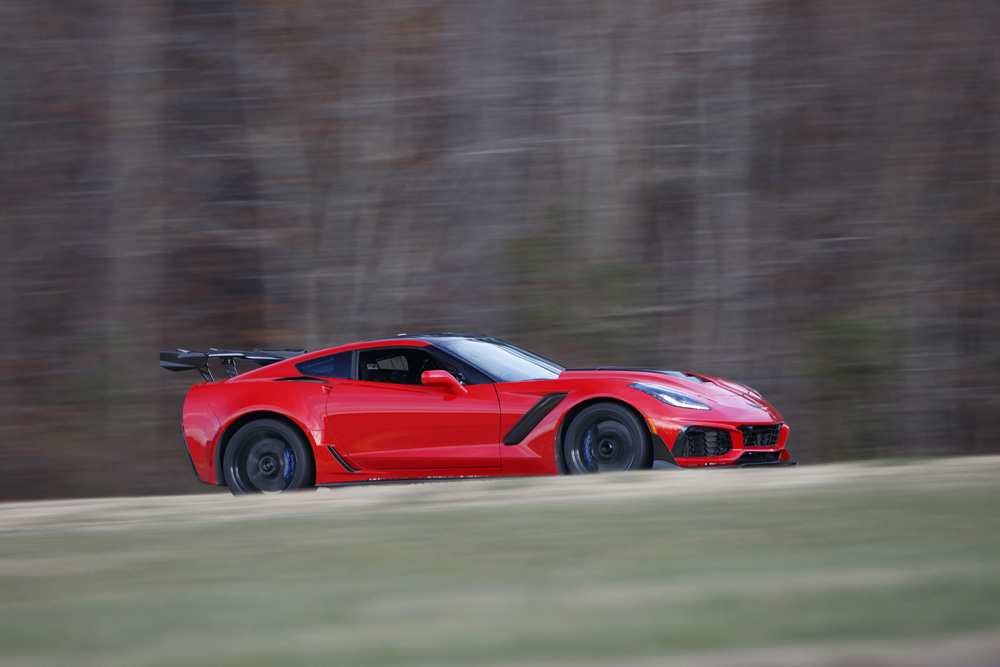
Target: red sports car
column 456, row 405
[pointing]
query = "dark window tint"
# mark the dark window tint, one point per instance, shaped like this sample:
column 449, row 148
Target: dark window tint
column 330, row 366
column 400, row 365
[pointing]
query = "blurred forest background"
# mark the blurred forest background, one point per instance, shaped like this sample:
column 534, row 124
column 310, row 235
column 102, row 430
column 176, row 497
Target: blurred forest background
column 800, row 195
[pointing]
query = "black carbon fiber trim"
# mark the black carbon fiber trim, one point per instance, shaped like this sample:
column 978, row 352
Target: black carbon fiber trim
column 341, row 461
column 631, row 369
column 527, row 423
column 661, row 452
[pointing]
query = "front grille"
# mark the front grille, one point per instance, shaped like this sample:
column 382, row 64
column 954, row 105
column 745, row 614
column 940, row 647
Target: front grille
column 700, row 441
column 761, row 436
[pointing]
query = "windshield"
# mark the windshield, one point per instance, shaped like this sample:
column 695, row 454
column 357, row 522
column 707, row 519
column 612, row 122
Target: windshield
column 501, row 360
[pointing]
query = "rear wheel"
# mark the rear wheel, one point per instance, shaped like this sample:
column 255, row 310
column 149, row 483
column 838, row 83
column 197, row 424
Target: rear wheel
column 606, row 437
column 267, row 456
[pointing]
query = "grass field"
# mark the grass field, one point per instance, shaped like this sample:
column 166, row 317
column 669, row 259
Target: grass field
column 845, row 564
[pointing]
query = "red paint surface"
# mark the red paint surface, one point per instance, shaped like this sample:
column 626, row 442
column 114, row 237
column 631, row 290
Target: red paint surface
column 393, row 431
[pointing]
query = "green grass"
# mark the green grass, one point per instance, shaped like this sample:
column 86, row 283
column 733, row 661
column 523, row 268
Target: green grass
column 512, row 571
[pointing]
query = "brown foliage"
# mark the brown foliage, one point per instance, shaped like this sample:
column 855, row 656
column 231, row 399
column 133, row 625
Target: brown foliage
column 799, row 195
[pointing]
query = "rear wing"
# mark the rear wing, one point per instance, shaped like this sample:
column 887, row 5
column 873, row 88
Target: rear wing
column 197, row 360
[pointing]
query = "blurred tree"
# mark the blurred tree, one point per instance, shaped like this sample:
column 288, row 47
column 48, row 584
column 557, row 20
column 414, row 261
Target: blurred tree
column 798, row 194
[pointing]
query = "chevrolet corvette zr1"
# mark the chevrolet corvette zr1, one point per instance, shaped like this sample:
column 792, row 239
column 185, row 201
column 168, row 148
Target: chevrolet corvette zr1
column 455, row 405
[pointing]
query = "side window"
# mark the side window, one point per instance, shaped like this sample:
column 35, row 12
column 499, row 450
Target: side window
column 399, row 365
column 331, row 366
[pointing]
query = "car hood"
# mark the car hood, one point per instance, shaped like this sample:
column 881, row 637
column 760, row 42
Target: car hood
column 712, row 390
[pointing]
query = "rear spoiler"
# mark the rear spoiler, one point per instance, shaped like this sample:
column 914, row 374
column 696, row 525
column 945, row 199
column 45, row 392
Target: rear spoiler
column 190, row 360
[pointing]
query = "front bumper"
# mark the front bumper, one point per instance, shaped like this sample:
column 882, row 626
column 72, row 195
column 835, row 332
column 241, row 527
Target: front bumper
column 720, row 445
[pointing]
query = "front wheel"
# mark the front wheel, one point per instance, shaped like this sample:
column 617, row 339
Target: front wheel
column 606, row 437
column 267, row 456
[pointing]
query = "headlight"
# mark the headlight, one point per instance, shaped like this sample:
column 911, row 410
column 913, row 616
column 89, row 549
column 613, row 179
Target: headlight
column 669, row 396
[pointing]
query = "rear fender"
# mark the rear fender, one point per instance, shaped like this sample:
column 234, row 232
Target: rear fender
column 201, row 426
column 301, row 404
column 242, row 420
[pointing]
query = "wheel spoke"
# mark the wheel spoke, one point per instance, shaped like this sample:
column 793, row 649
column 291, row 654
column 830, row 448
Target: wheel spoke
column 267, row 464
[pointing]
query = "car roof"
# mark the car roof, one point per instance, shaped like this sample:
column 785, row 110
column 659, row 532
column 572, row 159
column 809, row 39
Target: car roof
column 429, row 337
column 403, row 338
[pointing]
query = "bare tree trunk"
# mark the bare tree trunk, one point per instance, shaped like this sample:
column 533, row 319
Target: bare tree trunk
column 724, row 138
column 134, row 243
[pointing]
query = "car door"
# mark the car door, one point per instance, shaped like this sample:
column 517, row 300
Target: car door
column 384, row 419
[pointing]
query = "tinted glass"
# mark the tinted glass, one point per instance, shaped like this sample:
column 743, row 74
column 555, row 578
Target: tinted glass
column 400, row 365
column 502, row 361
column 331, row 366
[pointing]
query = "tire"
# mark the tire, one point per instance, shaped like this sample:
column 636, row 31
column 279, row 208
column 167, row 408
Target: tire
column 267, row 456
column 606, row 437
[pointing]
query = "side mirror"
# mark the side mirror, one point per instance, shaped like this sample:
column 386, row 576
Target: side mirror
column 442, row 379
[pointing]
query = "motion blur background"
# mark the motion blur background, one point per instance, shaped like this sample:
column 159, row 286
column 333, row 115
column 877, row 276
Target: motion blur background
column 799, row 195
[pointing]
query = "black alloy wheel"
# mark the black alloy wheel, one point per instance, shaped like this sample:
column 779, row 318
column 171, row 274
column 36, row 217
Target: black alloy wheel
column 606, row 437
column 267, row 456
